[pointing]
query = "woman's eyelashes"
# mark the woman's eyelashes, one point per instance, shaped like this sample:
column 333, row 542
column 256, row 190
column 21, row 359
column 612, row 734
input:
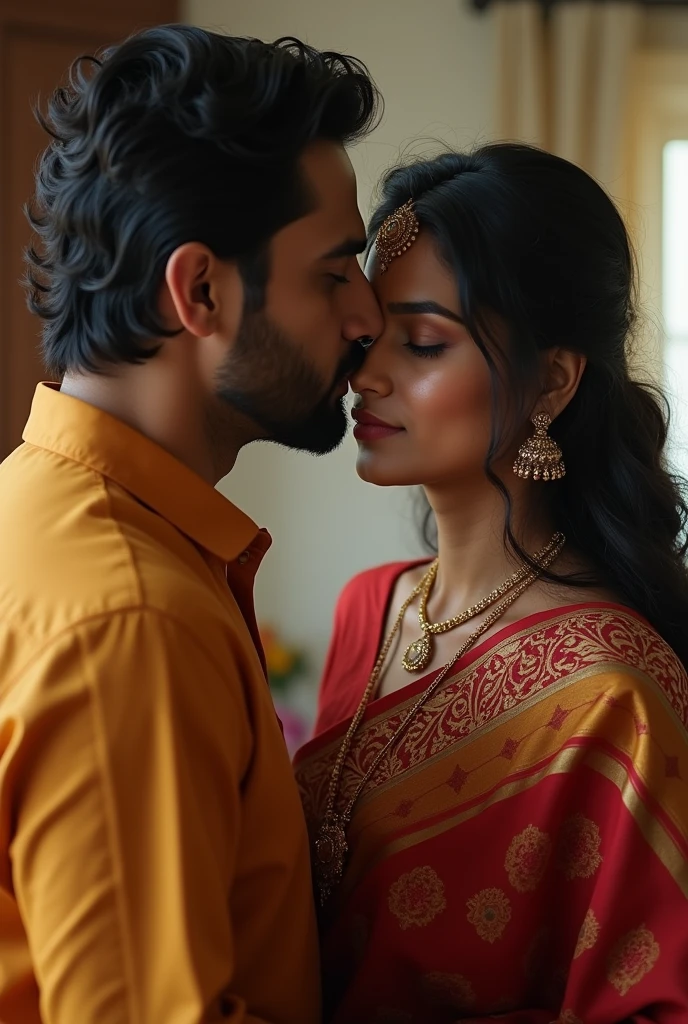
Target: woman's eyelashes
column 425, row 351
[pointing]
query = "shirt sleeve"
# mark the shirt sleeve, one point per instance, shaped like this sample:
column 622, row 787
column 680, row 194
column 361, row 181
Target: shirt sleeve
column 128, row 762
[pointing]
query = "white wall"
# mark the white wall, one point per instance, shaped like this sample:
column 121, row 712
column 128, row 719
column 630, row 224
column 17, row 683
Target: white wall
column 433, row 62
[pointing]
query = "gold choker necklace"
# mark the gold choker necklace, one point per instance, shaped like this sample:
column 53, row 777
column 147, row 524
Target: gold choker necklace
column 418, row 654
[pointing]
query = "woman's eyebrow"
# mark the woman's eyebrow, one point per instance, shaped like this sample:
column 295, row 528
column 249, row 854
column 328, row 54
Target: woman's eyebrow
column 426, row 306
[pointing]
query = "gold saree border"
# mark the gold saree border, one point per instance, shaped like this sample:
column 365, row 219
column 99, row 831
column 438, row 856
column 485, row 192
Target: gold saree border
column 648, row 639
column 548, row 720
column 657, row 837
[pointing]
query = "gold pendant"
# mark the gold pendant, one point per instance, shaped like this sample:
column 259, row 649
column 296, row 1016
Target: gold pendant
column 330, row 849
column 418, row 654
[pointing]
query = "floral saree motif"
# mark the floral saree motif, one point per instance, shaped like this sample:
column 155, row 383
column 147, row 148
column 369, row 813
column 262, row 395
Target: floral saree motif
column 522, row 853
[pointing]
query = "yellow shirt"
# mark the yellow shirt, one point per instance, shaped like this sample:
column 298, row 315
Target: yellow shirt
column 153, row 854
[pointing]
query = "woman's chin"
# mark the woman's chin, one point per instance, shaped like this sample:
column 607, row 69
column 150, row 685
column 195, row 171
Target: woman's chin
column 382, row 472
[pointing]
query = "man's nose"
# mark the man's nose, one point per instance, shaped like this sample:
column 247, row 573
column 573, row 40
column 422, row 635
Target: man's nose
column 373, row 372
column 365, row 318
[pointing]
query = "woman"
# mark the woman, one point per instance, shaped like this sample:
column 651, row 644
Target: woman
column 498, row 787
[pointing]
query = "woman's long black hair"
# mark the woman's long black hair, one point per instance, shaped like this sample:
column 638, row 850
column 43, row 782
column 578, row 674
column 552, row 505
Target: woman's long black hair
column 534, row 239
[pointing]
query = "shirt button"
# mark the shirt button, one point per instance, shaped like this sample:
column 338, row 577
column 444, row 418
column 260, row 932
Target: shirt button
column 243, row 558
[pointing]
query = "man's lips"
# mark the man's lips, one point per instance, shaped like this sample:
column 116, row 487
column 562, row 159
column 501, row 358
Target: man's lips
column 372, row 428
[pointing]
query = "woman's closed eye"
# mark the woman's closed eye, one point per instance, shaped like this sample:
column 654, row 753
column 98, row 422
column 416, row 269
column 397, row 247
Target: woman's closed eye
column 425, row 351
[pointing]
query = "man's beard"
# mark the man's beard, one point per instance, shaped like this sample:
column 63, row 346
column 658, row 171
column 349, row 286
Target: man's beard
column 268, row 380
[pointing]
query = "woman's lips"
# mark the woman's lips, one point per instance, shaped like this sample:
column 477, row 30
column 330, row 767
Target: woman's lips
column 370, row 428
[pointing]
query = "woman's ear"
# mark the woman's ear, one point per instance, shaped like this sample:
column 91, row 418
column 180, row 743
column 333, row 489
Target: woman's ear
column 562, row 376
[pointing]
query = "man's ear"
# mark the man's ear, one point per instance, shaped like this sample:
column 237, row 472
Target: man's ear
column 205, row 295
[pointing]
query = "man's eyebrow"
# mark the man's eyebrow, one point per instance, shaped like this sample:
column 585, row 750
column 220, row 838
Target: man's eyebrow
column 349, row 247
column 427, row 306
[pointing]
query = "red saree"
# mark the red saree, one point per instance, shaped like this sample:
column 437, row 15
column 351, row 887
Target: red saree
column 522, row 854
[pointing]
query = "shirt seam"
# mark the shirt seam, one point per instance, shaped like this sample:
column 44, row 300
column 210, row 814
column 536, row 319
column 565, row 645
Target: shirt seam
column 51, row 449
column 106, row 484
column 127, row 546
column 114, row 853
column 73, row 629
column 51, row 445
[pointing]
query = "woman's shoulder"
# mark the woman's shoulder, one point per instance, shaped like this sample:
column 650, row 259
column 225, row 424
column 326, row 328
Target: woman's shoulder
column 607, row 636
column 627, row 634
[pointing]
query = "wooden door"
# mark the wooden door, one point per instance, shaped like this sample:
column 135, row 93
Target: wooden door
column 38, row 41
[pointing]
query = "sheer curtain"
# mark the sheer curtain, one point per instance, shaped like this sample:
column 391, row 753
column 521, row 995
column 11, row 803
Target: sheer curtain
column 564, row 80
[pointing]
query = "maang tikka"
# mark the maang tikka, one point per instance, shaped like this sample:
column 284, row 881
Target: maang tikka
column 397, row 233
column 540, row 457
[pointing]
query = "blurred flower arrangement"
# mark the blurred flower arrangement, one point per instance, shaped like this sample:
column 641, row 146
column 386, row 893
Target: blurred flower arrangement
column 286, row 666
column 284, row 663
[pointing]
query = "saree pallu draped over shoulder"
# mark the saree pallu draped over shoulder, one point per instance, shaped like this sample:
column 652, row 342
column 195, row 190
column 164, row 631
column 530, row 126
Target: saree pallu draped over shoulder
column 522, row 853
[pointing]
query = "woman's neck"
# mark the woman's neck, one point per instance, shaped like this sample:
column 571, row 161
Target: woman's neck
column 473, row 559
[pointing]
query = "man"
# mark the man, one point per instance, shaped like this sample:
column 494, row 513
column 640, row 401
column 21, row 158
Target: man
column 197, row 278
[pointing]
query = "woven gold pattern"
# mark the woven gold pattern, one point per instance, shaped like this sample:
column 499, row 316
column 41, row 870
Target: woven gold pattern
column 397, row 234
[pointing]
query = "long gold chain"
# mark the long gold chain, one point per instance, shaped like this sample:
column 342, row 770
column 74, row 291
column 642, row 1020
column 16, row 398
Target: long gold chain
column 470, row 613
column 419, row 653
column 330, row 845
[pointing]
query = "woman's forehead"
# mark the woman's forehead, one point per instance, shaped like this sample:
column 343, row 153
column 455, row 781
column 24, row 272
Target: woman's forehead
column 418, row 274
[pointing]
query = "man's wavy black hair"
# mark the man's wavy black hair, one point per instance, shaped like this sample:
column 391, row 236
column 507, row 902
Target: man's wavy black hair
column 177, row 135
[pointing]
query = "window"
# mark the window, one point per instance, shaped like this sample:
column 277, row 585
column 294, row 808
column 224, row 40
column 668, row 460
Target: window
column 658, row 213
column 675, row 295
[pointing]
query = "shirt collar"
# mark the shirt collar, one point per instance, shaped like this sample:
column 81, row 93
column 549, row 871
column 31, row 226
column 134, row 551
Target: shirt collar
column 79, row 431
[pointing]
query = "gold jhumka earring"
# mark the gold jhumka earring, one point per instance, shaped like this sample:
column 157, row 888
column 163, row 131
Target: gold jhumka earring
column 540, row 457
